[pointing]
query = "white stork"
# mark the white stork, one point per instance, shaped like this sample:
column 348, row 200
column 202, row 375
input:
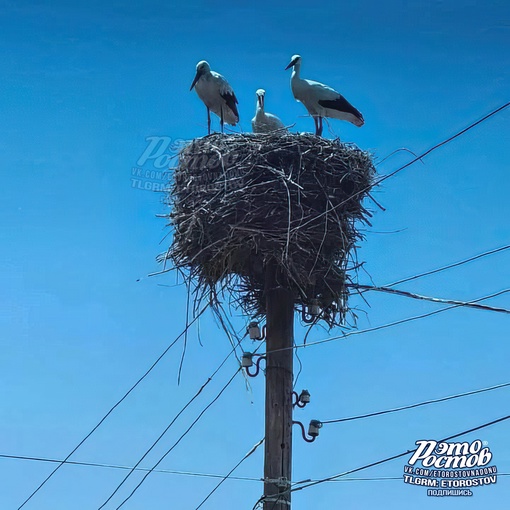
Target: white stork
column 217, row 95
column 321, row 100
column 264, row 122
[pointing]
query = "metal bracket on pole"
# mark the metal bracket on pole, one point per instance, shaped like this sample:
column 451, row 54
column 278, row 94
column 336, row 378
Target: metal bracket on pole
column 277, row 499
column 281, row 482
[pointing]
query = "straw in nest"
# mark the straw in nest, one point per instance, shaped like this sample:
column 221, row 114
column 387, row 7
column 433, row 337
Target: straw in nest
column 242, row 204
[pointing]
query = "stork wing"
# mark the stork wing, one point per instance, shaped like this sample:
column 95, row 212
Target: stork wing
column 342, row 105
column 231, row 100
column 227, row 93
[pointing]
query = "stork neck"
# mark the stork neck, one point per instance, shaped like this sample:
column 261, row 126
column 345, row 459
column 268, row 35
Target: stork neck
column 206, row 75
column 260, row 109
column 296, row 69
column 259, row 115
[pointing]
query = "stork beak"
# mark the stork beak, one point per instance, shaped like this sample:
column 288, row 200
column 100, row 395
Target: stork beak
column 261, row 101
column 197, row 76
column 291, row 64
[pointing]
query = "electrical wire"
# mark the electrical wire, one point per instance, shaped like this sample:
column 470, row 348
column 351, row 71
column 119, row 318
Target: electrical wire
column 417, row 158
column 185, row 342
column 386, row 288
column 412, row 295
column 101, row 421
column 296, row 379
column 160, row 437
column 278, row 499
column 334, row 477
column 253, row 449
column 449, row 266
column 192, row 474
column 179, row 440
column 444, row 142
column 376, row 479
column 388, row 325
column 128, row 468
column 427, row 402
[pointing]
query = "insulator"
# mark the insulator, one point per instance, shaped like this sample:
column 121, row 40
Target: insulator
column 314, row 308
column 254, row 331
column 304, row 397
column 247, row 360
column 313, row 428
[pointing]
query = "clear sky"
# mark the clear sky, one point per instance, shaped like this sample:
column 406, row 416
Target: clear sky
column 83, row 86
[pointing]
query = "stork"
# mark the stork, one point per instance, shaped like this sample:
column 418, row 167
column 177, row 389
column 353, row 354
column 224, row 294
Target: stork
column 264, row 122
column 320, row 100
column 216, row 93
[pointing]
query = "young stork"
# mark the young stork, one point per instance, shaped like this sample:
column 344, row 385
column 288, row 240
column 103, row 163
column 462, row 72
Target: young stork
column 217, row 95
column 321, row 100
column 264, row 122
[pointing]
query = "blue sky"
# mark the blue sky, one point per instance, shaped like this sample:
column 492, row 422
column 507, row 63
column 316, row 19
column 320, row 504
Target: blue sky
column 84, row 86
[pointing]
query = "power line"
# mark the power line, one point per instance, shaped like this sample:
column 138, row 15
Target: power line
column 192, row 474
column 101, row 421
column 412, row 295
column 417, row 158
column 369, row 479
column 449, row 266
column 180, row 438
column 448, row 140
column 234, row 346
column 427, row 402
column 401, row 321
column 230, row 472
column 185, row 343
column 330, row 478
column 209, row 379
column 128, row 468
column 390, row 324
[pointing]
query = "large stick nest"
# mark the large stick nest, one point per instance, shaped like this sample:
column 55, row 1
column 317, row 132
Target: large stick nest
column 243, row 205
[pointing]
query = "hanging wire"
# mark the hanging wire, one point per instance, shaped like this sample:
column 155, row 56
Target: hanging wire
column 253, row 449
column 412, row 295
column 101, row 421
column 427, row 402
column 407, row 452
column 449, row 266
column 179, row 440
column 388, row 325
column 160, row 437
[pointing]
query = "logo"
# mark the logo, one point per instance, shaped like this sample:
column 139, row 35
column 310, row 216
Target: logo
column 154, row 166
column 450, row 469
column 154, row 169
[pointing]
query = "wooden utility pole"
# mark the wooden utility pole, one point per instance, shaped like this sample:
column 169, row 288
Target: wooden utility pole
column 279, row 385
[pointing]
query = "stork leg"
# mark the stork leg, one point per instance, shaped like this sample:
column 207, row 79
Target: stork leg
column 208, row 121
column 319, row 129
column 316, row 125
column 221, row 120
